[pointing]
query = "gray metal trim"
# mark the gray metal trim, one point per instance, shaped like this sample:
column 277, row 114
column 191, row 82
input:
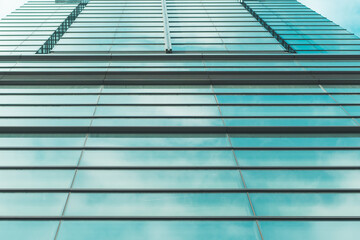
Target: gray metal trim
column 184, row 130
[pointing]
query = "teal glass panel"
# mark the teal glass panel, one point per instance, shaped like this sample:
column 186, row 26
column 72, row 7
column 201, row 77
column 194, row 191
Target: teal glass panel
column 49, row 99
column 158, row 204
column 267, row 88
column 41, row 140
column 158, row 179
column 156, row 89
column 155, row 230
column 157, row 111
column 47, row 111
column 50, row 89
column 36, row 178
column 157, row 158
column 295, row 140
column 32, row 204
column 157, row 99
column 157, row 122
column 342, row 88
column 299, row 230
column 44, row 122
column 282, row 111
column 39, row 158
column 298, row 158
column 347, row 98
column 276, row 99
column 160, row 140
column 353, row 110
column 306, row 204
column 289, row 122
column 21, row 230
column 302, row 179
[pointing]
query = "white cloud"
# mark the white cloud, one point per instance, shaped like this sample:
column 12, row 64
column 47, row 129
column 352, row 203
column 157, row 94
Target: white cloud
column 345, row 13
column 8, row 6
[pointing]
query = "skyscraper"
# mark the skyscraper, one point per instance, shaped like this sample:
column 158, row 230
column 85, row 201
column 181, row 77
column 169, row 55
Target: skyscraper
column 178, row 119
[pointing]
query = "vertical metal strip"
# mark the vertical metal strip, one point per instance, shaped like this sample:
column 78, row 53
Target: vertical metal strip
column 167, row 38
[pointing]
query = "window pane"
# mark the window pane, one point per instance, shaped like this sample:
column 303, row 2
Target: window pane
column 158, row 158
column 39, row 158
column 158, row 179
column 41, row 140
column 295, row 140
column 298, row 158
column 306, row 204
column 282, row 111
column 302, row 178
column 21, row 230
column 276, row 99
column 299, row 230
column 160, row 140
column 158, row 204
column 36, row 178
column 157, row 99
column 155, row 230
column 32, row 204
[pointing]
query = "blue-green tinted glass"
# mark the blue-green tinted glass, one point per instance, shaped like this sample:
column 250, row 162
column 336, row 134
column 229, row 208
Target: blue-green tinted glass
column 298, row 158
column 20, row 230
column 36, row 178
column 39, row 158
column 152, row 140
column 158, row 158
column 302, row 178
column 32, row 204
column 267, row 88
column 299, row 230
column 306, row 204
column 41, row 140
column 289, row 122
column 164, row 179
column 158, row 204
column 295, row 140
column 155, row 230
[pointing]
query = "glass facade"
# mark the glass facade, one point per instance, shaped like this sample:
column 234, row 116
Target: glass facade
column 177, row 119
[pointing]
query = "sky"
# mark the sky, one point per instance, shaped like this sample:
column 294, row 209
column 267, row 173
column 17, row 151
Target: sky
column 346, row 13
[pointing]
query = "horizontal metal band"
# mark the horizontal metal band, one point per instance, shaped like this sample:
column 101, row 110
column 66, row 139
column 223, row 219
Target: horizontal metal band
column 183, row 168
column 179, row 218
column 182, row 93
column 181, row 130
column 175, row 191
column 195, row 56
column 178, row 117
column 180, row 148
column 175, row 104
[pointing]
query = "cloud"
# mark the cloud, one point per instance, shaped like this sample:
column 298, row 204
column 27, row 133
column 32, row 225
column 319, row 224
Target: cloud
column 345, row 14
column 6, row 6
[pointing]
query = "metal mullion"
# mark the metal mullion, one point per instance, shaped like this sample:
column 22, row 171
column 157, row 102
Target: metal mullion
column 341, row 104
column 77, row 168
column 167, row 37
column 237, row 164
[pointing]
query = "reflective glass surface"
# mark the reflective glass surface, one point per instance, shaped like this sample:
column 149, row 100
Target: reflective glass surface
column 136, row 230
column 158, row 204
